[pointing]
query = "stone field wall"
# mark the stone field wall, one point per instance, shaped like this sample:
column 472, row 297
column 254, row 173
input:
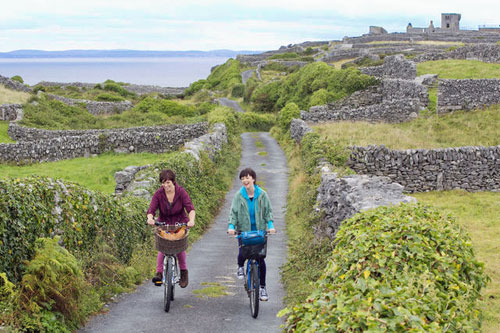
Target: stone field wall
column 482, row 52
column 467, row 94
column 10, row 112
column 96, row 107
column 44, row 145
column 421, row 170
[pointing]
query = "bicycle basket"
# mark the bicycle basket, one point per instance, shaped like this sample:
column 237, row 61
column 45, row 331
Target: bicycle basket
column 170, row 246
column 256, row 251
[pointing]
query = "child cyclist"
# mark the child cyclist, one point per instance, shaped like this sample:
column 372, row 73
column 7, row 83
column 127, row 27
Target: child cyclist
column 251, row 210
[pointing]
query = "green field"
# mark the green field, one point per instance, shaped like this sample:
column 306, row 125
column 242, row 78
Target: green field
column 95, row 173
column 478, row 214
column 460, row 69
column 472, row 128
column 4, row 137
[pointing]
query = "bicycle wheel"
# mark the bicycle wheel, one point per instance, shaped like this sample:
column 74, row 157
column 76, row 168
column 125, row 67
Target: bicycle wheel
column 175, row 274
column 254, row 289
column 167, row 284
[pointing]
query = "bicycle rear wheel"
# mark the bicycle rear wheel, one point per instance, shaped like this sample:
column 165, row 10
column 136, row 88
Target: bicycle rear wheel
column 254, row 289
column 168, row 269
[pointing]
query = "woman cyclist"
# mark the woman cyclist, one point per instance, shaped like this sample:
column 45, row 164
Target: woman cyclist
column 173, row 202
column 251, row 210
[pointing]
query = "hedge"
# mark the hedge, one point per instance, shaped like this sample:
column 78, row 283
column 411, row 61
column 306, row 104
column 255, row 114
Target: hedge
column 400, row 268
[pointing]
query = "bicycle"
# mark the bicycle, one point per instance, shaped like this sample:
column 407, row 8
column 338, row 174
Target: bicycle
column 170, row 248
column 251, row 281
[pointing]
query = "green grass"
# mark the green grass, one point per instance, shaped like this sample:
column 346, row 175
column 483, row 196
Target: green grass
column 8, row 96
column 211, row 289
column 472, row 128
column 478, row 214
column 95, row 173
column 4, row 137
column 460, row 69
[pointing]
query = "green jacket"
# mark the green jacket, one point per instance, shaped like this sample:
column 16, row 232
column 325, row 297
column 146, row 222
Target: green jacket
column 239, row 216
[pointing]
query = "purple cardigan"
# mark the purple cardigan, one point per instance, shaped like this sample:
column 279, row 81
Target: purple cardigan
column 176, row 212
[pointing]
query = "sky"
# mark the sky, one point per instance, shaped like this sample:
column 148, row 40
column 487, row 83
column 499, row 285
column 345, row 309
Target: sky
column 165, row 25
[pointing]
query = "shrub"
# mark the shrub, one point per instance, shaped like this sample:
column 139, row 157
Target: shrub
column 195, row 87
column 224, row 76
column 53, row 283
column 251, row 121
column 320, row 97
column 165, row 106
column 109, row 98
column 285, row 56
column 17, row 78
column 226, row 115
column 287, row 114
column 113, row 86
column 238, row 90
column 395, row 268
column 265, row 96
column 205, row 107
column 314, row 149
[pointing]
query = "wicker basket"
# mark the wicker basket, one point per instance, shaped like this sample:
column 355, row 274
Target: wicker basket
column 171, row 246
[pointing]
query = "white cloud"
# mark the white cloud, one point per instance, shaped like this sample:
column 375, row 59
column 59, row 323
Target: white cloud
column 196, row 24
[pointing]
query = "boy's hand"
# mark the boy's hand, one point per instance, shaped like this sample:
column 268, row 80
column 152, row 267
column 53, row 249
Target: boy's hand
column 272, row 231
column 231, row 231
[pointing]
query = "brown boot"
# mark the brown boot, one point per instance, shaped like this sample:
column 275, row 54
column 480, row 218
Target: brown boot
column 184, row 279
column 157, row 279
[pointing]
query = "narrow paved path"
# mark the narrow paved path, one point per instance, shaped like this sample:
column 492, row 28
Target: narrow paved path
column 212, row 259
column 232, row 104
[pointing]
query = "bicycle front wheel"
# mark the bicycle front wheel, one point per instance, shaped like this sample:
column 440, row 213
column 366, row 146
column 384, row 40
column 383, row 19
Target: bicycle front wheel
column 254, row 289
column 168, row 269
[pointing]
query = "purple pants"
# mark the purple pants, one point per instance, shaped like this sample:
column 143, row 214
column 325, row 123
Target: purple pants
column 181, row 257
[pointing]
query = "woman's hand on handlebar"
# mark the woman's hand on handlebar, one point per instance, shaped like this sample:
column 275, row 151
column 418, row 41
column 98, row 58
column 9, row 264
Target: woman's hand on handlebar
column 151, row 221
column 190, row 224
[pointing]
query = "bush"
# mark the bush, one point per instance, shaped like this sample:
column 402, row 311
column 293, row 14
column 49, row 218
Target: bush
column 265, row 96
column 109, row 98
column 195, row 87
column 224, row 76
column 314, row 149
column 238, row 90
column 251, row 121
column 226, row 115
column 285, row 56
column 53, row 284
column 395, row 268
column 205, row 107
column 287, row 114
column 17, row 78
column 165, row 106
column 113, row 86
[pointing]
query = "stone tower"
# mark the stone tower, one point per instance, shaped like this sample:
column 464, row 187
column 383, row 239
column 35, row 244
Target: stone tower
column 450, row 21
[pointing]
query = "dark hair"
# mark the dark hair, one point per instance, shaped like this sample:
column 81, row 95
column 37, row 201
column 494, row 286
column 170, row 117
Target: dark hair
column 167, row 175
column 248, row 172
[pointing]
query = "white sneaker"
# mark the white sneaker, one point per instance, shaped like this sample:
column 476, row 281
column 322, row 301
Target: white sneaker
column 263, row 294
column 241, row 273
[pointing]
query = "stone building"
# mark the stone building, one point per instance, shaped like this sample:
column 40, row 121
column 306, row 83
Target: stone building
column 450, row 21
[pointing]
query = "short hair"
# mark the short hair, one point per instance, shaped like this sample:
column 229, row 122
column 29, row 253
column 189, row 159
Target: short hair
column 248, row 172
column 167, row 175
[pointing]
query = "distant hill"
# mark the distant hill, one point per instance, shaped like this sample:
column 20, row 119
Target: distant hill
column 119, row 53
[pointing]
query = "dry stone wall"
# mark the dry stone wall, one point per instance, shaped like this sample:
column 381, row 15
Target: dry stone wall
column 482, row 52
column 59, row 145
column 14, row 85
column 421, row 170
column 10, row 112
column 394, row 100
column 396, row 67
column 341, row 198
column 96, row 107
column 467, row 94
column 133, row 88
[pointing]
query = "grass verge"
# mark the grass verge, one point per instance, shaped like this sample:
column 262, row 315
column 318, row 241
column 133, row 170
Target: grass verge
column 8, row 96
column 4, row 137
column 478, row 214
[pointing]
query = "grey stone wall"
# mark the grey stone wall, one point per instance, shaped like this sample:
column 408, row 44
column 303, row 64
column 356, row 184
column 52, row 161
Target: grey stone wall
column 10, row 112
column 467, row 94
column 394, row 100
column 396, row 67
column 129, row 181
column 14, row 85
column 421, row 170
column 341, row 198
column 485, row 52
column 298, row 128
column 67, row 146
column 96, row 107
column 133, row 88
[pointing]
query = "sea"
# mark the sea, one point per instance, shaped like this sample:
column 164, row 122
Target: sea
column 159, row 71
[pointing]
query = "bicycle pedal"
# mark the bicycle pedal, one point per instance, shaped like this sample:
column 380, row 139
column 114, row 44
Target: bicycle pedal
column 158, row 284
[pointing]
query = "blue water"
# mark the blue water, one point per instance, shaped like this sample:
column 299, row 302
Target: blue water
column 161, row 71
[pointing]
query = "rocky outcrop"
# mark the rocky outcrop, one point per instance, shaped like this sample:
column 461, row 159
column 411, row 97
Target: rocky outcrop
column 298, row 128
column 395, row 67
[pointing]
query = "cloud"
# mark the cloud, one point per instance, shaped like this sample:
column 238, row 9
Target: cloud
column 196, row 24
